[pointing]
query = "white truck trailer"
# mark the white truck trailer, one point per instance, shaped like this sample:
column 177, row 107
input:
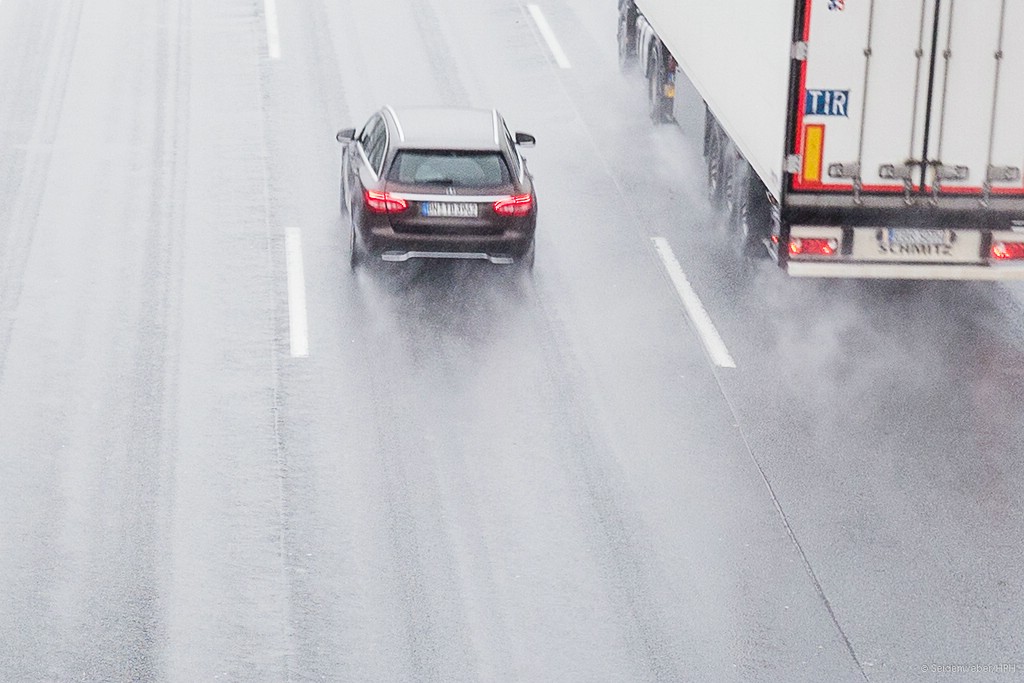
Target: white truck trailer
column 850, row 138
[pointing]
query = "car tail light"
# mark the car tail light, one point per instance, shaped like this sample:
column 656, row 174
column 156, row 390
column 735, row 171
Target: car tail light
column 1006, row 251
column 384, row 202
column 813, row 246
column 516, row 205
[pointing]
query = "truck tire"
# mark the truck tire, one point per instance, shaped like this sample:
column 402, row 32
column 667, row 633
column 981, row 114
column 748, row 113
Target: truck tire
column 714, row 159
column 750, row 215
column 733, row 176
column 626, row 35
column 659, row 106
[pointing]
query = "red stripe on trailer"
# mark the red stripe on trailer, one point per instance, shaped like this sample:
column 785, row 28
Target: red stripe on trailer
column 1006, row 191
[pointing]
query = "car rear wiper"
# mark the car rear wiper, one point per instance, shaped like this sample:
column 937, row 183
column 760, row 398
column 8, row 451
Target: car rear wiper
column 439, row 181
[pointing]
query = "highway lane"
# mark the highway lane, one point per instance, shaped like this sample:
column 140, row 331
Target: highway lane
column 139, row 469
column 886, row 417
column 472, row 475
column 83, row 323
column 480, row 393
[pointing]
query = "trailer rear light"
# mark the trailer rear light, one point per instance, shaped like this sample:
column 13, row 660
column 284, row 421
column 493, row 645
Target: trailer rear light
column 1006, row 251
column 516, row 205
column 384, row 202
column 813, row 246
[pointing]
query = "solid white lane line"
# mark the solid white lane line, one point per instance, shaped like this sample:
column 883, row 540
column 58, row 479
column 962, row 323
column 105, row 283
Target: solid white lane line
column 273, row 35
column 297, row 326
column 694, row 308
column 549, row 36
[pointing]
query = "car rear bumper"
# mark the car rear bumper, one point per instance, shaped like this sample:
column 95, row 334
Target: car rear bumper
column 400, row 256
column 397, row 246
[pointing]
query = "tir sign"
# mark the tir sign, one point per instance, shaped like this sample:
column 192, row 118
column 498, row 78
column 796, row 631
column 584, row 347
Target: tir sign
column 827, row 103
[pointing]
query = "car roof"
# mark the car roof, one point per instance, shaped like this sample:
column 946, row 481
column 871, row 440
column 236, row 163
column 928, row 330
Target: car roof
column 446, row 128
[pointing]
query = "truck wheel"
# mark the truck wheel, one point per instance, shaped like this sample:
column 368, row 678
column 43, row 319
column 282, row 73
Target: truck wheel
column 731, row 182
column 751, row 213
column 734, row 176
column 715, row 161
column 627, row 37
column 657, row 102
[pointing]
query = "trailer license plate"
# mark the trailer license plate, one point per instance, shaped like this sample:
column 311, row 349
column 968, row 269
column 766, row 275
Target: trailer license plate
column 916, row 245
column 917, row 236
column 451, row 210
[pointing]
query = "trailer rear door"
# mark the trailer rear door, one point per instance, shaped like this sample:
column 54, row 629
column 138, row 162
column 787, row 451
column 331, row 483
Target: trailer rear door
column 910, row 97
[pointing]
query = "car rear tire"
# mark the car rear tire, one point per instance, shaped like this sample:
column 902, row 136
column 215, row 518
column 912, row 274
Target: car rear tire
column 356, row 252
column 343, row 202
column 355, row 256
column 524, row 263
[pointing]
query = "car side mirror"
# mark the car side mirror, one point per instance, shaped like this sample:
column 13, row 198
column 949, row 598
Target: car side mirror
column 346, row 135
column 525, row 140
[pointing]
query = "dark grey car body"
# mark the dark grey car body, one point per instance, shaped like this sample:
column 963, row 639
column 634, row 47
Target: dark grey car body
column 438, row 183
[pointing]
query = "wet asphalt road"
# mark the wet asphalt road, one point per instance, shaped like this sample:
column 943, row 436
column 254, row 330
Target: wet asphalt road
column 471, row 474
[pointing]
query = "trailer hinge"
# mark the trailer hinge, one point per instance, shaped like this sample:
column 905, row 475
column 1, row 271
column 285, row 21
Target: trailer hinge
column 904, row 173
column 849, row 171
column 954, row 173
column 1003, row 174
column 799, row 51
column 897, row 171
column 794, row 162
column 943, row 173
column 997, row 174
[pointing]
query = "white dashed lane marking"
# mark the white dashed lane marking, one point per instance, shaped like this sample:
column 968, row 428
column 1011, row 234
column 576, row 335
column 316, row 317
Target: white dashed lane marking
column 549, row 36
column 713, row 343
column 273, row 35
column 297, row 325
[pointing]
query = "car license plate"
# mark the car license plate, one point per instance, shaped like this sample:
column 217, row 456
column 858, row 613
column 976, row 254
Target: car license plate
column 450, row 210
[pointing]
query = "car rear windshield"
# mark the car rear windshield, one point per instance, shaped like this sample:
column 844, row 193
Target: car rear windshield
column 454, row 168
